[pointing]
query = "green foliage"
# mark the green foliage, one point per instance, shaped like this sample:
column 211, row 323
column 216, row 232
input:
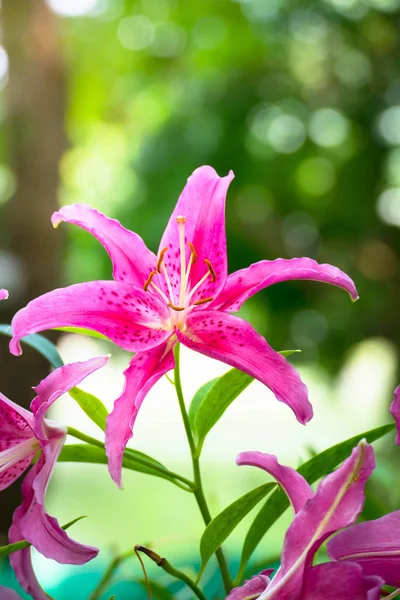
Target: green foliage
column 92, row 406
column 223, row 524
column 212, row 400
column 39, row 343
column 312, row 470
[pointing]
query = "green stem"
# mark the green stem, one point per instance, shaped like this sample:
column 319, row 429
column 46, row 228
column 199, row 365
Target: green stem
column 105, row 580
column 188, row 486
column 168, row 568
column 198, row 491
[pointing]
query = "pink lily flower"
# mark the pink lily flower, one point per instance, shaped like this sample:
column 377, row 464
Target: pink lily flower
column 24, row 435
column 183, row 294
column 336, row 504
column 395, row 411
column 3, row 294
column 7, row 594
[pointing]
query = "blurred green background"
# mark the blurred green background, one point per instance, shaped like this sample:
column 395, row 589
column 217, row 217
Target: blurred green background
column 114, row 103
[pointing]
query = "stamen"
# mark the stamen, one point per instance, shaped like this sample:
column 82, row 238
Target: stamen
column 160, row 292
column 211, row 270
column 203, row 301
column 160, row 259
column 148, row 280
column 181, row 228
column 193, row 254
column 198, row 284
column 168, row 281
column 175, row 307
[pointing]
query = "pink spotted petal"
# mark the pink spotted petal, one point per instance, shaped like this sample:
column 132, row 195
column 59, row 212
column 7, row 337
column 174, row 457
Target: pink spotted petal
column 294, row 485
column 233, row 341
column 337, row 503
column 56, row 384
column 339, row 581
column 144, row 371
column 252, row 588
column 7, row 594
column 202, row 202
column 395, row 411
column 39, row 528
column 21, row 562
column 245, row 283
column 15, row 421
column 127, row 315
column 3, row 294
column 374, row 545
column 132, row 260
column 15, row 460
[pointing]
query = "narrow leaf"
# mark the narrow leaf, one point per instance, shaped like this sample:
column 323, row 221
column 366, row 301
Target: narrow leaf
column 85, row 453
column 222, row 526
column 9, row 548
column 82, row 331
column 92, row 406
column 287, row 353
column 312, row 470
column 216, row 400
column 198, row 399
column 39, row 343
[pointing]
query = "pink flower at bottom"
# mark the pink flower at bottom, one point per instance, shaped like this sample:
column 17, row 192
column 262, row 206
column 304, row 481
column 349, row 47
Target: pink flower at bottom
column 337, row 503
column 183, row 294
column 24, row 436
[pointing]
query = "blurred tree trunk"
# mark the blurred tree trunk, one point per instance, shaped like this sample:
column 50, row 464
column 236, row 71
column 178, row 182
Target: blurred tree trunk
column 35, row 138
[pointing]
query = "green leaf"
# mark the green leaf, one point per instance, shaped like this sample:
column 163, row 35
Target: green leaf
column 215, row 400
column 287, row 353
column 39, row 343
column 6, row 550
column 92, row 406
column 85, row 453
column 82, row 331
column 222, row 526
column 312, row 470
column 198, row 399
column 157, row 591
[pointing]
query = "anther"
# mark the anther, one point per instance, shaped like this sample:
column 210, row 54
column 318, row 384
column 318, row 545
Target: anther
column 193, row 255
column 148, row 280
column 180, row 219
column 175, row 307
column 211, row 270
column 160, row 259
column 203, row 301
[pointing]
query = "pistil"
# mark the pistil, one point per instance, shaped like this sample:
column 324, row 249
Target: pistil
column 181, row 229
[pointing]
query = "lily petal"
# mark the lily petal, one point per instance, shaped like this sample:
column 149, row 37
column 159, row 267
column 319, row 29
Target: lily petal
column 132, row 260
column 395, row 411
column 144, row 371
column 3, row 294
column 202, row 202
column 252, row 588
column 8, row 594
column 21, row 562
column 122, row 312
column 245, row 283
column 17, row 442
column 374, row 545
column 294, row 485
column 338, row 501
column 233, row 341
column 39, row 528
column 56, row 384
column 339, row 581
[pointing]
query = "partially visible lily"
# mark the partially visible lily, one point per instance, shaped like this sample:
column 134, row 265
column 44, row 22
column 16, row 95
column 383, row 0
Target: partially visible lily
column 374, row 545
column 8, row 594
column 24, row 436
column 3, row 294
column 336, row 504
column 395, row 411
column 183, row 294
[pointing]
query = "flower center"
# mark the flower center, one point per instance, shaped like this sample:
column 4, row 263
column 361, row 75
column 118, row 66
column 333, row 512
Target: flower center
column 16, row 453
column 180, row 306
